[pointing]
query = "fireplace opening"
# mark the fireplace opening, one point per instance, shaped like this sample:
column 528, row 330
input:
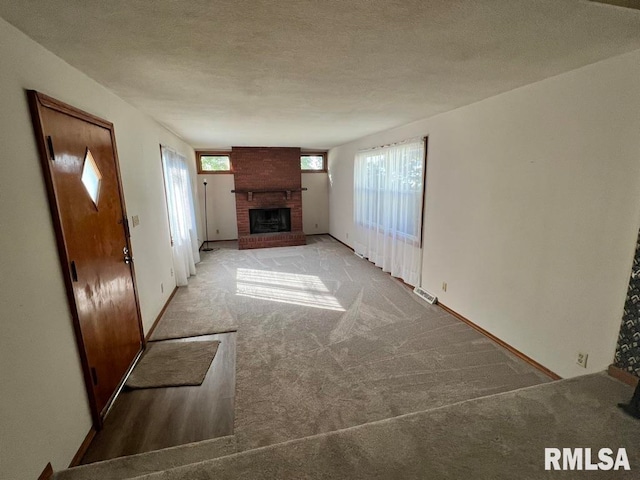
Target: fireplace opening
column 269, row 220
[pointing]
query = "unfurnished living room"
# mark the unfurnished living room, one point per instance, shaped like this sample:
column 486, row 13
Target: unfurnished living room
column 319, row 239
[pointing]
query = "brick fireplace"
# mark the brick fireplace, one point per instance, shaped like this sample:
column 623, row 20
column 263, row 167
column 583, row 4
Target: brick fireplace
column 268, row 179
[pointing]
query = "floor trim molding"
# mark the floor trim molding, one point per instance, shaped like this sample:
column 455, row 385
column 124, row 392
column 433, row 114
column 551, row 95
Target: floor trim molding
column 340, row 241
column 164, row 309
column 216, row 241
column 47, row 473
column 77, row 458
column 492, row 337
column 623, row 375
column 502, row 343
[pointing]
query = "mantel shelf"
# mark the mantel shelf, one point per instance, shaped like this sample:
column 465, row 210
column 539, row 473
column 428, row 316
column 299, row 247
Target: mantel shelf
column 286, row 191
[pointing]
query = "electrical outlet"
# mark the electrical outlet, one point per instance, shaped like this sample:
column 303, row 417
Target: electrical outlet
column 444, row 286
column 582, row 359
column 162, row 287
column 316, row 225
column 217, row 231
column 135, row 220
column 347, row 235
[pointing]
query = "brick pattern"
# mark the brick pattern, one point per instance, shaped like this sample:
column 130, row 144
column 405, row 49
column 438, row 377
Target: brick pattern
column 257, row 168
column 265, row 240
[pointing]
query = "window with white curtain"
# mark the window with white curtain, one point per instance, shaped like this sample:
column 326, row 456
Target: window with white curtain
column 182, row 219
column 388, row 192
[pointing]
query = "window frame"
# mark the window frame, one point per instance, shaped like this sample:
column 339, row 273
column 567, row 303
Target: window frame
column 207, row 153
column 314, row 154
column 359, row 188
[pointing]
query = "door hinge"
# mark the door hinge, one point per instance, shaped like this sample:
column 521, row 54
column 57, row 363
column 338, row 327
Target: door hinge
column 125, row 222
column 52, row 154
column 94, row 375
column 74, row 271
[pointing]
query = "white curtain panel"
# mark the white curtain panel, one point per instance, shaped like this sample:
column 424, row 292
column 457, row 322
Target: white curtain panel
column 182, row 219
column 388, row 195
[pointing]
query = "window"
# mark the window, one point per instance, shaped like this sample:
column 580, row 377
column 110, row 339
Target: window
column 213, row 162
column 388, row 189
column 313, row 162
column 182, row 219
column 388, row 197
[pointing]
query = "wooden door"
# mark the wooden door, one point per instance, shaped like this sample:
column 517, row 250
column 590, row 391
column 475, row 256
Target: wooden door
column 80, row 167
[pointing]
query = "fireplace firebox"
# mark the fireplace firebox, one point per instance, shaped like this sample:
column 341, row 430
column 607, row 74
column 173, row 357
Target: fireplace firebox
column 269, row 220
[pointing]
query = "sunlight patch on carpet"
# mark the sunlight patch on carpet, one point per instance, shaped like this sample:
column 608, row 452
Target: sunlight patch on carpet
column 292, row 288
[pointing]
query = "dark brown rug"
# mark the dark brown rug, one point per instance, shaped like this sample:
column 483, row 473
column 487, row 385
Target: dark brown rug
column 173, row 364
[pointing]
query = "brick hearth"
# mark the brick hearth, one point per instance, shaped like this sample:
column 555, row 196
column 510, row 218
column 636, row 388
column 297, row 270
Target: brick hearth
column 268, row 168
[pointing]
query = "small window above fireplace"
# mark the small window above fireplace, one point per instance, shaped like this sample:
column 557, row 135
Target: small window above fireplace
column 313, row 162
column 269, row 220
column 213, row 162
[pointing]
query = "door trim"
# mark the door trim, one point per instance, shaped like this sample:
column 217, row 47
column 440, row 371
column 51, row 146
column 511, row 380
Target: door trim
column 36, row 102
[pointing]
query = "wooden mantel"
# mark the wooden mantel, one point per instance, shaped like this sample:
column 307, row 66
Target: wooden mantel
column 286, row 191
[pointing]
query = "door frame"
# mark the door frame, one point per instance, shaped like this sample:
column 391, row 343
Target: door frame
column 37, row 101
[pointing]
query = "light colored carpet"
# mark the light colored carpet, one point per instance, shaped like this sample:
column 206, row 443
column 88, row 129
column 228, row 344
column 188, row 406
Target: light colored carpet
column 184, row 319
column 149, row 462
column 176, row 328
column 497, row 437
column 173, row 364
column 326, row 341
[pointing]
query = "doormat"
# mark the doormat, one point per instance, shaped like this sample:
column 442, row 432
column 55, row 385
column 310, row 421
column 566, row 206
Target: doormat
column 173, row 364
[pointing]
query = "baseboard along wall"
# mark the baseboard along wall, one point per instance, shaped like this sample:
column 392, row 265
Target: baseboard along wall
column 47, row 473
column 623, row 376
column 492, row 337
column 164, row 309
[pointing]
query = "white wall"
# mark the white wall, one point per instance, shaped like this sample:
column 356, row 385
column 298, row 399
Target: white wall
column 533, row 207
column 44, row 413
column 315, row 203
column 221, row 206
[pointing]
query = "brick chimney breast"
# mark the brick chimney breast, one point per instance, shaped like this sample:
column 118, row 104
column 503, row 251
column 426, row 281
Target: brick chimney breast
column 256, row 169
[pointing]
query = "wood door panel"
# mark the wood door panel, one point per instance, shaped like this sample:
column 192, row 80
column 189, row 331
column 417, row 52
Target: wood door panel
column 93, row 236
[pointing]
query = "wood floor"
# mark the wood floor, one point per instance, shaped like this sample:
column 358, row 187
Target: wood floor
column 151, row 419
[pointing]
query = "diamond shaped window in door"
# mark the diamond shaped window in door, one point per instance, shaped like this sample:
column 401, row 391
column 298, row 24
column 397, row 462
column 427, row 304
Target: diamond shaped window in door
column 91, row 177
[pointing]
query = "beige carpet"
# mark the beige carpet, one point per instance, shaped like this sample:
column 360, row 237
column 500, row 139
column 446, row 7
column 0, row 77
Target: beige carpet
column 176, row 327
column 498, row 437
column 326, row 341
column 206, row 316
column 173, row 364
column 344, row 373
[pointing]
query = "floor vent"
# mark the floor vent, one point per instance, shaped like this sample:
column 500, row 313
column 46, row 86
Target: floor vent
column 422, row 293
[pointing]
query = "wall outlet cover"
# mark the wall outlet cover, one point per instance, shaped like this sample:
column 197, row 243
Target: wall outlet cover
column 582, row 359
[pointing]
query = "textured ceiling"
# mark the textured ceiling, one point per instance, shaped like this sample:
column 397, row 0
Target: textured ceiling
column 317, row 73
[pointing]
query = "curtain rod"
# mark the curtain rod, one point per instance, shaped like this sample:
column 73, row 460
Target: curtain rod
column 172, row 150
column 401, row 142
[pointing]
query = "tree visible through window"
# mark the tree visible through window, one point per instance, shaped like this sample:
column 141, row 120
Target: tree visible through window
column 313, row 162
column 213, row 162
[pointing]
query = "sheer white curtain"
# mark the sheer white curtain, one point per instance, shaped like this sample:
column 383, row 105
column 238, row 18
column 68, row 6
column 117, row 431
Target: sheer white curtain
column 388, row 208
column 182, row 219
